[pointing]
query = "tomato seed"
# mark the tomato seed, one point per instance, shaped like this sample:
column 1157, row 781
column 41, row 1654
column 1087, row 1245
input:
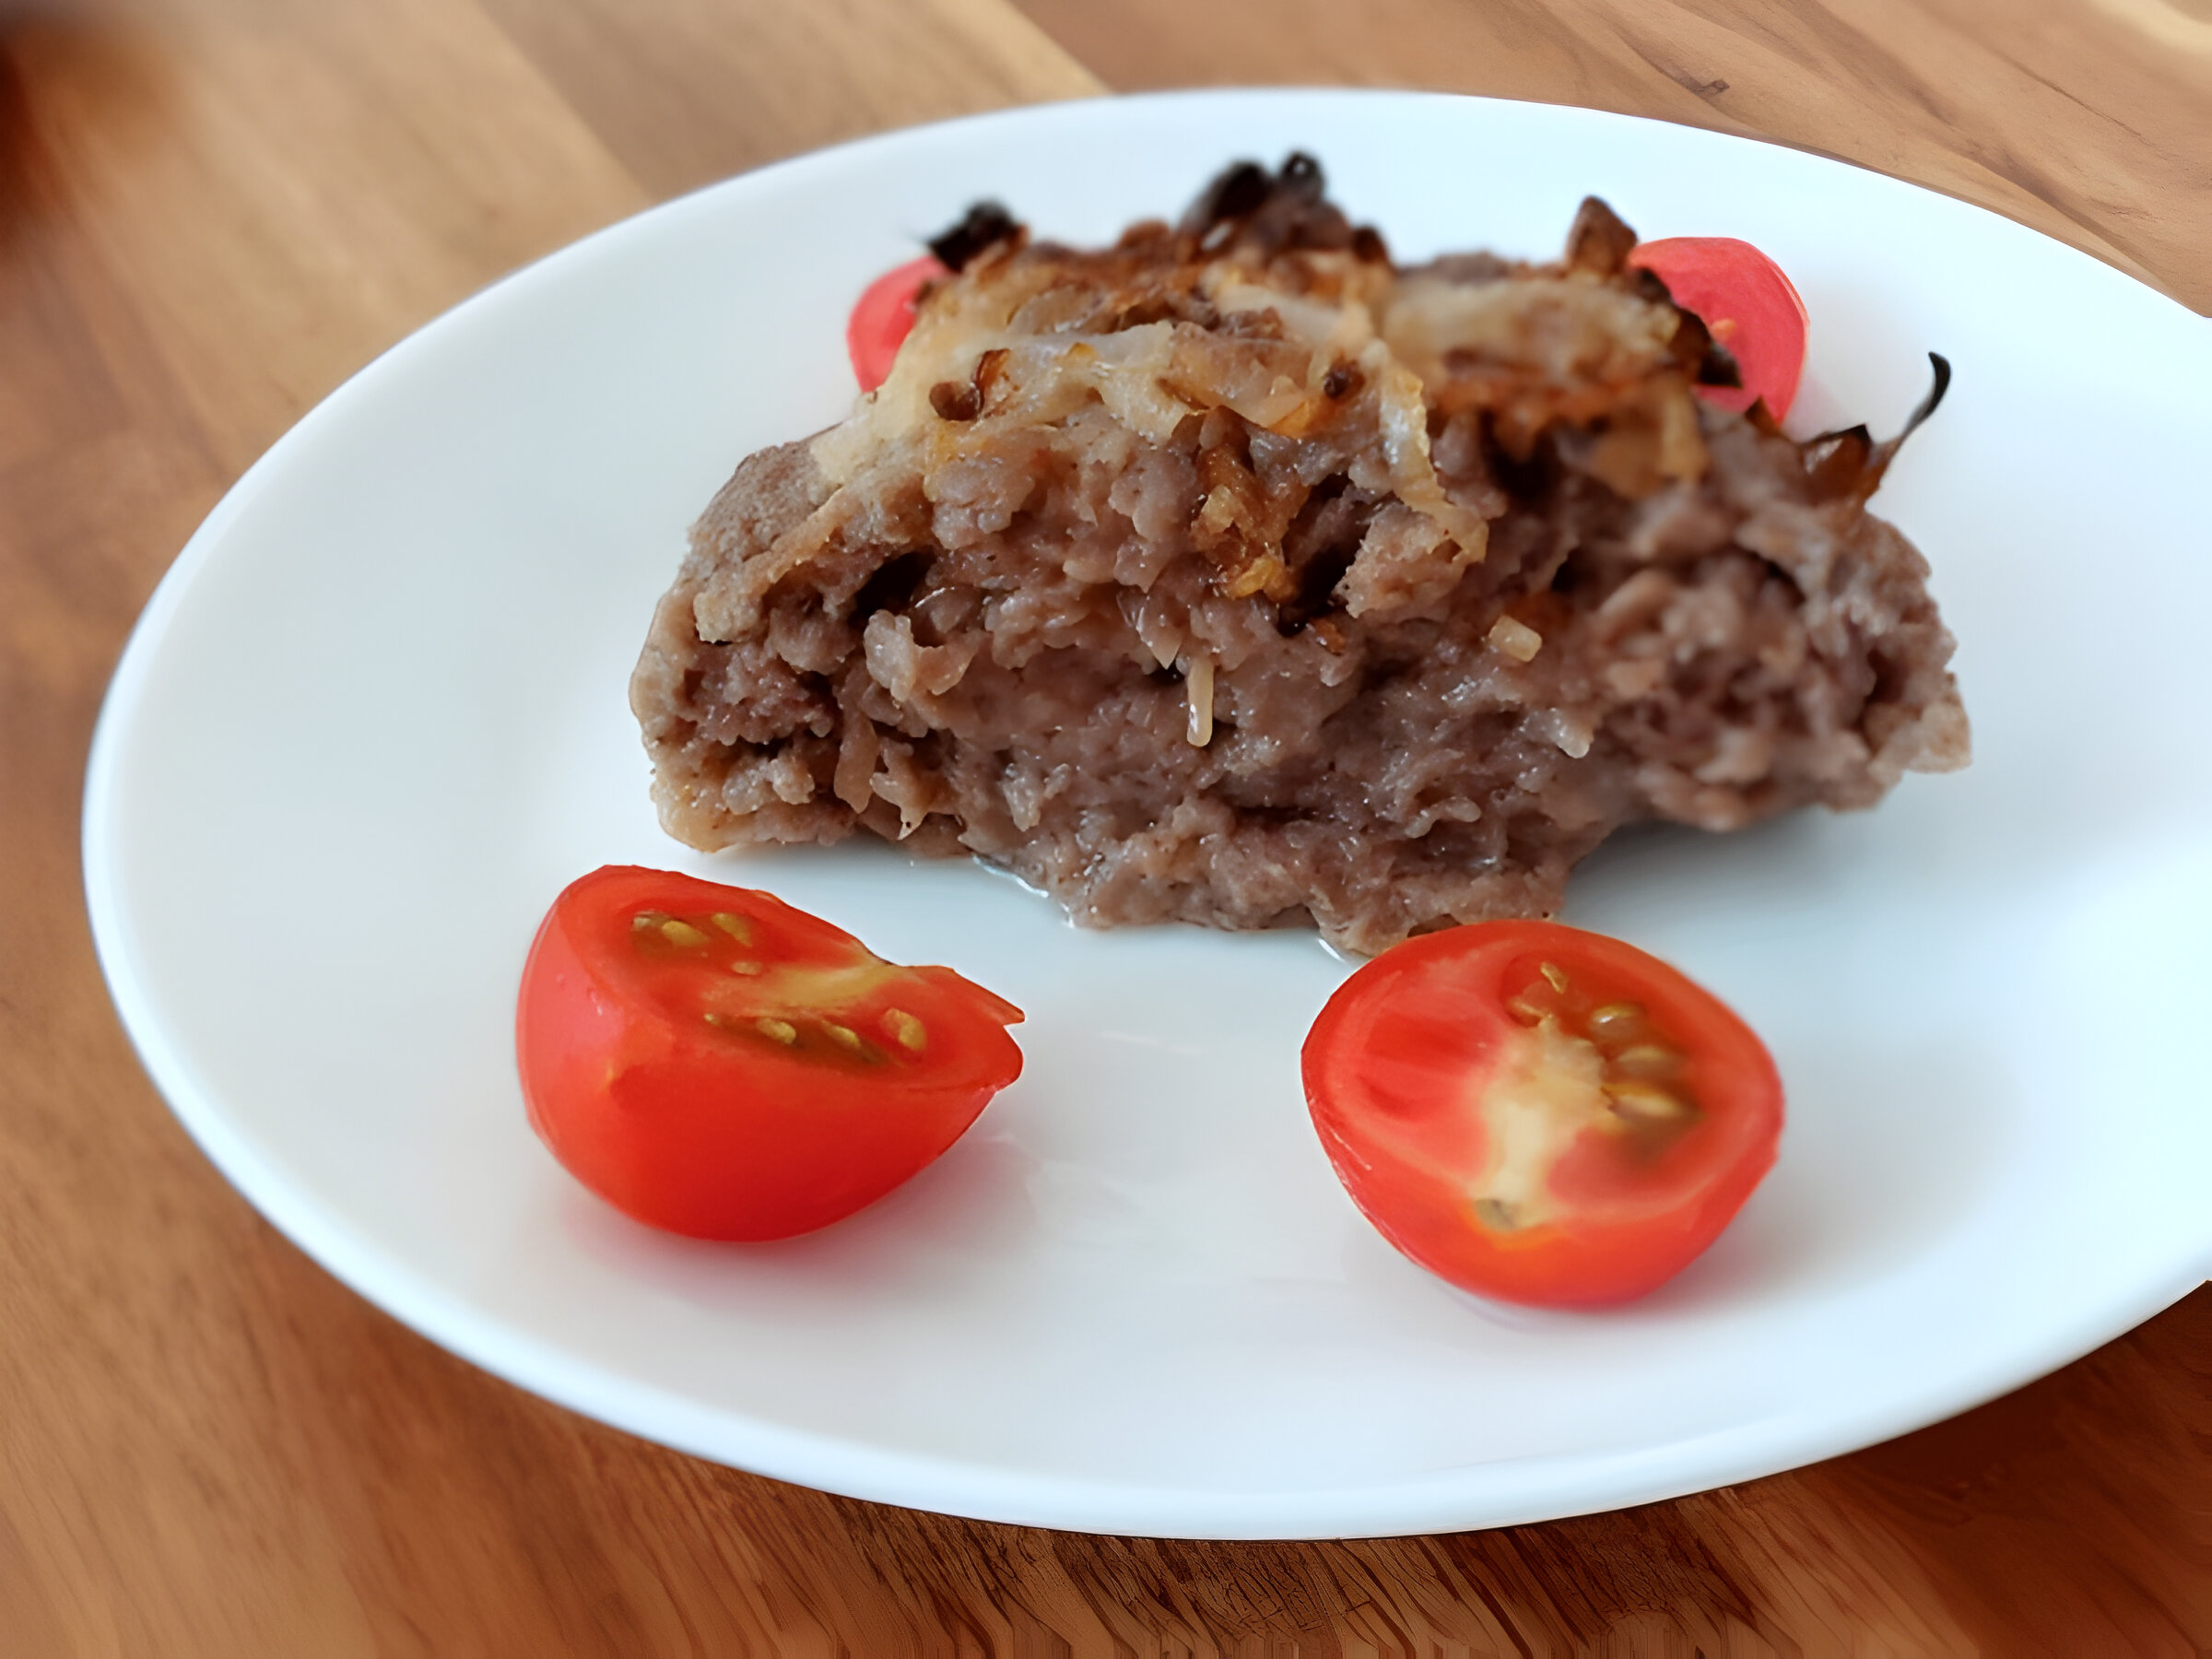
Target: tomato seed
column 744, row 968
column 1642, row 1100
column 1526, row 1009
column 1554, row 975
column 737, row 926
column 845, row 1037
column 646, row 921
column 1616, row 1020
column 1648, row 1059
column 910, row 1032
column 781, row 1030
column 682, row 934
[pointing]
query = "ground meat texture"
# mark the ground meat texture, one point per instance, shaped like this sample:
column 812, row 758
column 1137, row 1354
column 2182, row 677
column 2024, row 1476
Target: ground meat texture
column 1235, row 575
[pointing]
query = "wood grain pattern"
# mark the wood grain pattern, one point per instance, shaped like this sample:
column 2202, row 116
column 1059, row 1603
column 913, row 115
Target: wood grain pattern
column 2092, row 124
column 211, row 211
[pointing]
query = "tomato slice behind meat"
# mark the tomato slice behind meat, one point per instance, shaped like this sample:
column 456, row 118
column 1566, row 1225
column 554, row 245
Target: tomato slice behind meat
column 884, row 316
column 1540, row 1115
column 1746, row 303
column 714, row 1062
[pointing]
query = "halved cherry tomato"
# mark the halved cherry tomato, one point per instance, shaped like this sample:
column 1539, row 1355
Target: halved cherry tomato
column 884, row 316
column 711, row 1061
column 1745, row 304
column 1540, row 1115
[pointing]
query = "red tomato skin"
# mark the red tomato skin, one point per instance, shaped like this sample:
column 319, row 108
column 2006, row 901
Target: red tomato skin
column 884, row 316
column 1399, row 1167
column 1748, row 304
column 679, row 1131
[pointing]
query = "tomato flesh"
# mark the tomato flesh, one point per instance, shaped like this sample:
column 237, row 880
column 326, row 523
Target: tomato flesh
column 884, row 316
column 711, row 1061
column 1746, row 303
column 1540, row 1115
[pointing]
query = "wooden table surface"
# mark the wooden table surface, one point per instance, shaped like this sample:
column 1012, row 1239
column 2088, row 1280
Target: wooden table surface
column 213, row 210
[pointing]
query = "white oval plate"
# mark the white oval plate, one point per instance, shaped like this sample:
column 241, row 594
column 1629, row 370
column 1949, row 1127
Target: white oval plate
column 375, row 718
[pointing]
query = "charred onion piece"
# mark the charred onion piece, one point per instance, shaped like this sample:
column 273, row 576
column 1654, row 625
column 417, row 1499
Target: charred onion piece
column 984, row 226
column 1237, row 190
column 1718, row 368
column 1274, row 212
column 1836, row 464
column 1850, row 462
column 1928, row 405
column 1300, row 175
column 1710, row 363
column 1599, row 241
column 1243, row 188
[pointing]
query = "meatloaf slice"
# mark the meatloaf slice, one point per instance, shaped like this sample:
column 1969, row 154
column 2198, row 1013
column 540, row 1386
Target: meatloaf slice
column 1232, row 574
